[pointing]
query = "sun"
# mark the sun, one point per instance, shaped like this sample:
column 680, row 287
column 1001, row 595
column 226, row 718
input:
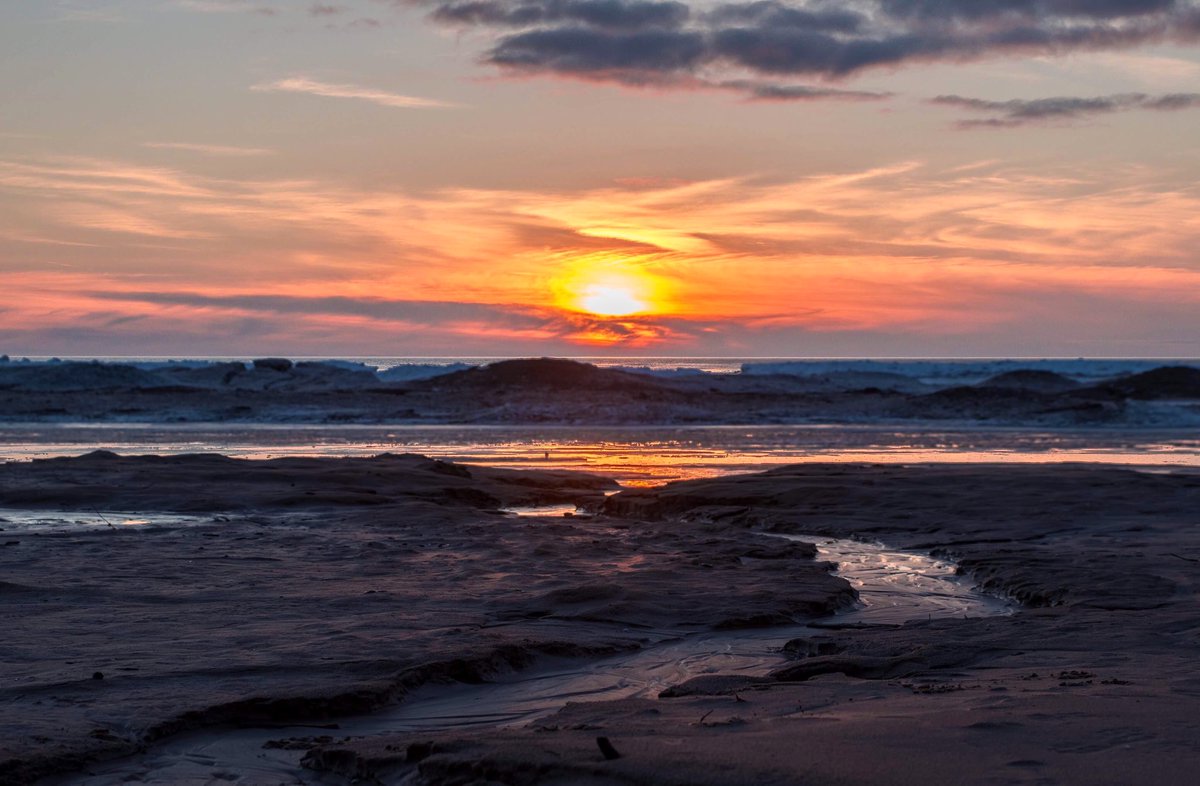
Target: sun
column 610, row 300
column 608, row 288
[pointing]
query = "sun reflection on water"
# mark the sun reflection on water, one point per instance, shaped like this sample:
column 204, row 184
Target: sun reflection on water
column 635, row 456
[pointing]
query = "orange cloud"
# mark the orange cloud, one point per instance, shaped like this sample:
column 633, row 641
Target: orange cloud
column 902, row 248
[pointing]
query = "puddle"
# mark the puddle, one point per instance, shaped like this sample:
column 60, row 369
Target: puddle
column 895, row 587
column 543, row 511
column 38, row 521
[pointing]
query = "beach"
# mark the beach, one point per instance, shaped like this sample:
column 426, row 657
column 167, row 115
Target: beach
column 599, row 393
column 310, row 592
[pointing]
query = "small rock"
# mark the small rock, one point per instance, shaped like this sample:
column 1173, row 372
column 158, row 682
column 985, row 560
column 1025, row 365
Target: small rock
column 607, row 749
column 418, row 751
column 274, row 364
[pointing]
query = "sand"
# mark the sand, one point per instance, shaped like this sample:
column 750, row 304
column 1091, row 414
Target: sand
column 369, row 578
column 323, row 587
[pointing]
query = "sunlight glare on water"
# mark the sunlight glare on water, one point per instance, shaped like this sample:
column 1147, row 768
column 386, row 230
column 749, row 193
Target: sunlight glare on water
column 635, row 456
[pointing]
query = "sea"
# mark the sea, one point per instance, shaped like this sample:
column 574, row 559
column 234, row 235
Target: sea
column 648, row 455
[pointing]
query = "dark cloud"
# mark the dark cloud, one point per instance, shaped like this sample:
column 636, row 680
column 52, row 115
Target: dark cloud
column 943, row 10
column 601, row 14
column 1015, row 113
column 777, row 15
column 772, row 91
column 665, row 43
column 638, row 57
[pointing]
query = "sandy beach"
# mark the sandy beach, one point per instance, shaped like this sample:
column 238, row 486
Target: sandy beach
column 308, row 591
column 599, row 393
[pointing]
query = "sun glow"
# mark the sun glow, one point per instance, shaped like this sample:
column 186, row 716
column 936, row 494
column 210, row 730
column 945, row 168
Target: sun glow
column 607, row 287
column 610, row 300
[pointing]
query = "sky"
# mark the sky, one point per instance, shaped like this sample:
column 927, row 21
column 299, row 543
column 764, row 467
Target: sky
column 779, row 178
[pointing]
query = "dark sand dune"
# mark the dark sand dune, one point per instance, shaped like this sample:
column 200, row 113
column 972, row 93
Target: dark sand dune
column 1169, row 382
column 1031, row 379
column 550, row 391
column 544, row 375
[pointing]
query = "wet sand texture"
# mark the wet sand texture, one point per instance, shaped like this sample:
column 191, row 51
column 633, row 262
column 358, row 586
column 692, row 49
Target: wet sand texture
column 1096, row 681
column 398, row 571
column 326, row 587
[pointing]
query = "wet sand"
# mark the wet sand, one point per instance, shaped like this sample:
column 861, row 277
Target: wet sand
column 367, row 579
column 324, row 587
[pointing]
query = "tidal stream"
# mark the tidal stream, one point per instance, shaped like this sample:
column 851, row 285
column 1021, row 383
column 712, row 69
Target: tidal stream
column 894, row 587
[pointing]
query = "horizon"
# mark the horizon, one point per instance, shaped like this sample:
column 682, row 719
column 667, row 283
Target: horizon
column 13, row 358
column 515, row 178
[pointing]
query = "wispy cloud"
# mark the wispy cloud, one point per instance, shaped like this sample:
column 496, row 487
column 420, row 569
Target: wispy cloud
column 227, row 6
column 905, row 247
column 89, row 15
column 209, row 150
column 325, row 9
column 331, row 90
column 1040, row 111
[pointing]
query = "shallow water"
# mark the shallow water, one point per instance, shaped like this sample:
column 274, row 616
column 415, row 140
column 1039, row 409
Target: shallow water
column 39, row 521
column 894, row 587
column 543, row 511
column 634, row 456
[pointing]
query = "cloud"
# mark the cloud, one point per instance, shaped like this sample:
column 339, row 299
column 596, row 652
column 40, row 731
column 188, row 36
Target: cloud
column 906, row 248
column 757, row 90
column 209, row 150
column 603, row 14
column 384, row 309
column 1018, row 112
column 329, row 90
column 667, row 44
column 226, row 7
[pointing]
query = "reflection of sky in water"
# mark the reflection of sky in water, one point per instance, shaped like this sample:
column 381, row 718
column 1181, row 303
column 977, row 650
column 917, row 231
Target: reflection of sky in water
column 894, row 586
column 33, row 521
column 633, row 455
column 542, row 511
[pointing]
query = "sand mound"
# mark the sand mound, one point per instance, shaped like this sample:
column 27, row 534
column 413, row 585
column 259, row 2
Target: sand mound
column 1161, row 383
column 1031, row 379
column 543, row 374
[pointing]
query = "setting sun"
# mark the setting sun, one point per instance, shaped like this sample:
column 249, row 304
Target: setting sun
column 610, row 301
column 605, row 287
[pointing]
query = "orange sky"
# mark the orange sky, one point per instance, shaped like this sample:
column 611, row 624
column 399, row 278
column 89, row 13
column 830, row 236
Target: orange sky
column 323, row 192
